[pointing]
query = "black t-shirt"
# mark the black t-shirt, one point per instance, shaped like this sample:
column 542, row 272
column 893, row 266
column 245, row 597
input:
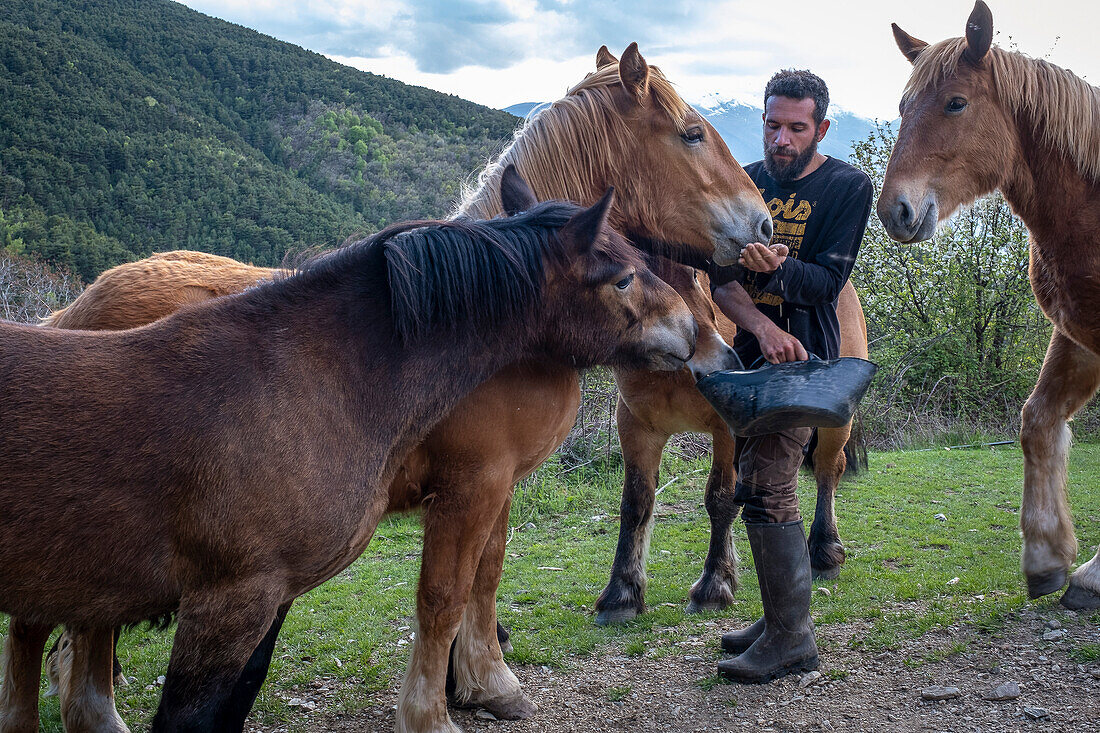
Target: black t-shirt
column 821, row 218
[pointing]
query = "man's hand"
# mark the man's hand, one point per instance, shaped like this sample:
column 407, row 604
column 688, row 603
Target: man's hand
column 762, row 258
column 779, row 346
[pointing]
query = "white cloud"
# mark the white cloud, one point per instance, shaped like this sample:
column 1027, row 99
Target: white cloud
column 500, row 52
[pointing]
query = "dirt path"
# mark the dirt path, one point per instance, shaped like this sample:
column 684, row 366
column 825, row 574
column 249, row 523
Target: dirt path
column 857, row 691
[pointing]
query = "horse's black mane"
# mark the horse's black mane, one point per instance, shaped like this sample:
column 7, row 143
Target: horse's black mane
column 445, row 273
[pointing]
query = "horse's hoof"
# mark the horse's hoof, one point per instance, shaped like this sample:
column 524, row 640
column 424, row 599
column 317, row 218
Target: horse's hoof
column 710, row 604
column 1046, row 583
column 513, row 707
column 1077, row 598
column 615, row 616
column 693, row 607
column 825, row 573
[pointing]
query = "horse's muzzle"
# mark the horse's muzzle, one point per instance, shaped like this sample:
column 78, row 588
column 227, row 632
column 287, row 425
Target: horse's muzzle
column 907, row 223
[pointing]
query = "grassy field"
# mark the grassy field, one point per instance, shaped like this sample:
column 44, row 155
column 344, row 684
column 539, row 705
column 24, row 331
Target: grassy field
column 907, row 573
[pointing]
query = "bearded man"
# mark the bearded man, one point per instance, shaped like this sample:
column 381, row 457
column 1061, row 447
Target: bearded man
column 783, row 298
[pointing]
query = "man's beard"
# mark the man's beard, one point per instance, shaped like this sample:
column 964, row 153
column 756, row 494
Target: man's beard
column 787, row 171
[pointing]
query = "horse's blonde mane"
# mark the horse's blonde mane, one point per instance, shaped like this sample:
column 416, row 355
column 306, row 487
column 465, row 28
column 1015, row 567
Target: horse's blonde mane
column 586, row 122
column 1063, row 108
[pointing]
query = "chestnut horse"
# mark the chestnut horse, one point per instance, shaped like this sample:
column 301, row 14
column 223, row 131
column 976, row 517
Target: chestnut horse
column 243, row 449
column 651, row 408
column 654, row 406
column 977, row 118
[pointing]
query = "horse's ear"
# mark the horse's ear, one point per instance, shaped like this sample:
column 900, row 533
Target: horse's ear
column 909, row 45
column 515, row 194
column 582, row 231
column 979, row 33
column 604, row 58
column 634, row 72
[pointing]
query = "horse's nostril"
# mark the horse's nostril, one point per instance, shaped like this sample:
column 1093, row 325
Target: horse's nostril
column 766, row 229
column 905, row 212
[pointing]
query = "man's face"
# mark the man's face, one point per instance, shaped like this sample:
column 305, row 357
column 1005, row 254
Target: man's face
column 790, row 136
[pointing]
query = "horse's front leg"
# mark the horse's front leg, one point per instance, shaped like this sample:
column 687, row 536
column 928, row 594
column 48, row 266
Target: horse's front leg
column 85, row 679
column 457, row 523
column 22, row 667
column 1069, row 377
column 480, row 675
column 826, row 549
column 715, row 588
column 235, row 710
column 219, row 631
column 624, row 596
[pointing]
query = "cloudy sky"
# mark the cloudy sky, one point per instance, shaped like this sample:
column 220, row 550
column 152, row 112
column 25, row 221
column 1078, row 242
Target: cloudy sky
column 501, row 52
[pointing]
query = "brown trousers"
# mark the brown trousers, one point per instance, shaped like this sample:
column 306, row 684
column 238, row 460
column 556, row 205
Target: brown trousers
column 767, row 475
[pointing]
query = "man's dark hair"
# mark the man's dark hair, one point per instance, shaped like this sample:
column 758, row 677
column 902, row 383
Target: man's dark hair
column 800, row 84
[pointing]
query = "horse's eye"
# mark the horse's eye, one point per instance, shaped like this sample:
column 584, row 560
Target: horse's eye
column 625, row 282
column 693, row 136
column 695, row 276
column 955, row 105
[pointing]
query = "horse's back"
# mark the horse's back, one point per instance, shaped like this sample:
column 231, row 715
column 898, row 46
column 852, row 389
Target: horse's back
column 137, row 293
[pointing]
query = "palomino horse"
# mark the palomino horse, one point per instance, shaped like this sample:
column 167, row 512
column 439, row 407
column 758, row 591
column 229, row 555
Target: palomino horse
column 242, row 450
column 977, row 118
column 654, row 406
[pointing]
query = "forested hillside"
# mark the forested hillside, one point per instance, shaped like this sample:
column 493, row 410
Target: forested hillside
column 133, row 126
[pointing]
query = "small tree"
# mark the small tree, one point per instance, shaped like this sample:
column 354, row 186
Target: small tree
column 30, row 290
column 952, row 321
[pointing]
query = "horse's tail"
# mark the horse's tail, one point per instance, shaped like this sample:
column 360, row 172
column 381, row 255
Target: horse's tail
column 855, row 451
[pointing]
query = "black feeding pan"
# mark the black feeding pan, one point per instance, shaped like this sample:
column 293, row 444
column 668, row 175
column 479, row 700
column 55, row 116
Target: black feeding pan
column 819, row 393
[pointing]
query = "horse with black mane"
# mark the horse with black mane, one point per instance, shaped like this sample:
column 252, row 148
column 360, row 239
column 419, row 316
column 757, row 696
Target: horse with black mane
column 241, row 451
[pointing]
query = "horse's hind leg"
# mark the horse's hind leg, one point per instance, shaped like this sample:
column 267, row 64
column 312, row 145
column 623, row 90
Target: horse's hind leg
column 53, row 662
column 826, row 549
column 1069, row 377
column 480, row 674
column 219, row 630
column 86, row 682
column 235, row 710
column 116, row 667
column 624, row 596
column 715, row 588
column 457, row 524
column 1083, row 593
column 22, row 668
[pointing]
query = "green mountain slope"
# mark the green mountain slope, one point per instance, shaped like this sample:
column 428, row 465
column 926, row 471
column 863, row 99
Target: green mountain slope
column 128, row 127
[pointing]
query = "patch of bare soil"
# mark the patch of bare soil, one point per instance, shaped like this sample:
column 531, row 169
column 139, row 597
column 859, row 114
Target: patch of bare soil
column 1048, row 653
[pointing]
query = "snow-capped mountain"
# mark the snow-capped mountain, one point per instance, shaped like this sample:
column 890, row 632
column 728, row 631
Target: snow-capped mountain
column 740, row 125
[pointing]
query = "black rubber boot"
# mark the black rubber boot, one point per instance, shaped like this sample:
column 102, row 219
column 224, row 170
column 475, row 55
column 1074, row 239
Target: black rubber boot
column 787, row 644
column 736, row 642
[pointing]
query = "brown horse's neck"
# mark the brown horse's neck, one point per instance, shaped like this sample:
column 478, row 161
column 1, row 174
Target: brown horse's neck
column 1049, row 193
